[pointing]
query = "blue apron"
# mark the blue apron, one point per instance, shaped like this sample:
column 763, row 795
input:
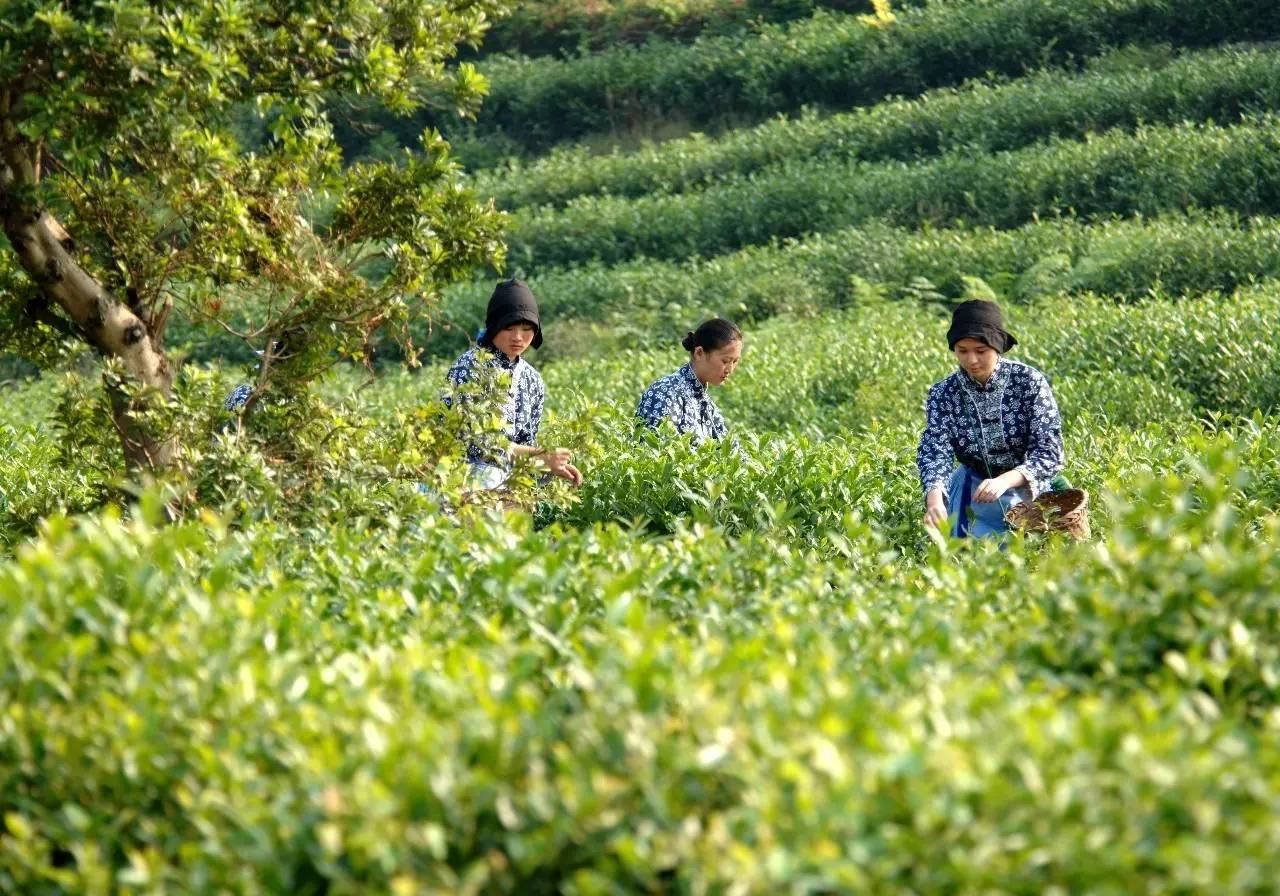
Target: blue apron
column 973, row 520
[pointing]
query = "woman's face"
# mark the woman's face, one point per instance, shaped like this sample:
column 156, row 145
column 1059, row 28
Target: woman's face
column 715, row 366
column 976, row 358
column 513, row 340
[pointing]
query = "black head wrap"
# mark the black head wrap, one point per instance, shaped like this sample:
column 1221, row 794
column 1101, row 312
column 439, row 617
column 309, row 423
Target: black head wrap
column 512, row 302
column 981, row 320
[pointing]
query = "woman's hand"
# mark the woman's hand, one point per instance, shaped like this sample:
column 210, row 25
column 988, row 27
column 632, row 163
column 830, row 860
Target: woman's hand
column 935, row 513
column 570, row 473
column 557, row 461
column 992, row 489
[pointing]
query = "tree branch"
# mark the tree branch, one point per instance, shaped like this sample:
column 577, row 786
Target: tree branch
column 38, row 311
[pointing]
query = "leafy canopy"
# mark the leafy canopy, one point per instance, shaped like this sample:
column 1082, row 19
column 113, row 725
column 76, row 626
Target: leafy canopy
column 187, row 148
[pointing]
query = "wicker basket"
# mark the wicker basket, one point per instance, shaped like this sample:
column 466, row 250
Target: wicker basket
column 1064, row 511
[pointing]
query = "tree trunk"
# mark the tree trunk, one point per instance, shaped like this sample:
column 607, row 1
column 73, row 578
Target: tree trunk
column 42, row 248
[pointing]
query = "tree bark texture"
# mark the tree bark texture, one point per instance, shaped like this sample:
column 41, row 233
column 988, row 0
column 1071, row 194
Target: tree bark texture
column 42, row 247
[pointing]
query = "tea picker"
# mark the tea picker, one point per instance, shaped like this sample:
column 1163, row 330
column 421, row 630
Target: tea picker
column 992, row 439
column 512, row 326
column 714, row 348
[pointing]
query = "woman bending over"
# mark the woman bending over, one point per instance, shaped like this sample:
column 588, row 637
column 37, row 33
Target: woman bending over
column 681, row 397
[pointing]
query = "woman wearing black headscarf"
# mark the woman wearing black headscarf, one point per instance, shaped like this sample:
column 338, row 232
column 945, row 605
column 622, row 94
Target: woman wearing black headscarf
column 997, row 418
column 512, row 326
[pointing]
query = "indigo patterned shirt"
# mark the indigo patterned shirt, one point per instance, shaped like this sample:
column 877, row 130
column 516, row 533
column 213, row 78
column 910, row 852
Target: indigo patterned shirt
column 237, row 398
column 525, row 397
column 1011, row 423
column 680, row 398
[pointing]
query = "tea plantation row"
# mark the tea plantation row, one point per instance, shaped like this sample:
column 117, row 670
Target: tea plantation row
column 839, row 61
column 646, row 302
column 858, row 374
column 1152, row 170
column 550, row 27
column 830, row 408
column 1218, row 85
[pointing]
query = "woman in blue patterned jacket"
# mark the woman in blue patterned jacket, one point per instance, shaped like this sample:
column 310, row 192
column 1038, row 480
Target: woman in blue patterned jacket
column 681, row 397
column 997, row 418
column 512, row 326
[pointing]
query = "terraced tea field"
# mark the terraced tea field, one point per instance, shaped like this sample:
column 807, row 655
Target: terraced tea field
column 717, row 669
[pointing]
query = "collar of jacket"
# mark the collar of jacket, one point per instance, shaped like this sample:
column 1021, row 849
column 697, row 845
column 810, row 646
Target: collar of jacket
column 499, row 359
column 996, row 375
column 699, row 387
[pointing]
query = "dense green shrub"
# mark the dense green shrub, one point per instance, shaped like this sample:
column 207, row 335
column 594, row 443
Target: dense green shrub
column 1147, row 172
column 34, row 483
column 1202, row 590
column 299, row 457
column 820, row 492
column 649, row 302
column 979, row 117
column 838, row 61
column 435, row 708
column 549, row 27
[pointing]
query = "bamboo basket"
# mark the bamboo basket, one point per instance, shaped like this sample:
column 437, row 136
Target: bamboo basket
column 1064, row 511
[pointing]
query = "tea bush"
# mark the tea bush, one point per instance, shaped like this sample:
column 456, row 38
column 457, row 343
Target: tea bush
column 837, row 61
column 647, row 302
column 1212, row 84
column 300, row 457
column 1201, row 594
column 33, row 482
column 1147, row 172
column 488, row 707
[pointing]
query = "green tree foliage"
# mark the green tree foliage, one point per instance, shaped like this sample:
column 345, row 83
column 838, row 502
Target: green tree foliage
column 125, row 195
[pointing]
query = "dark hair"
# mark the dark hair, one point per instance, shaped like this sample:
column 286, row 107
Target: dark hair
column 712, row 334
